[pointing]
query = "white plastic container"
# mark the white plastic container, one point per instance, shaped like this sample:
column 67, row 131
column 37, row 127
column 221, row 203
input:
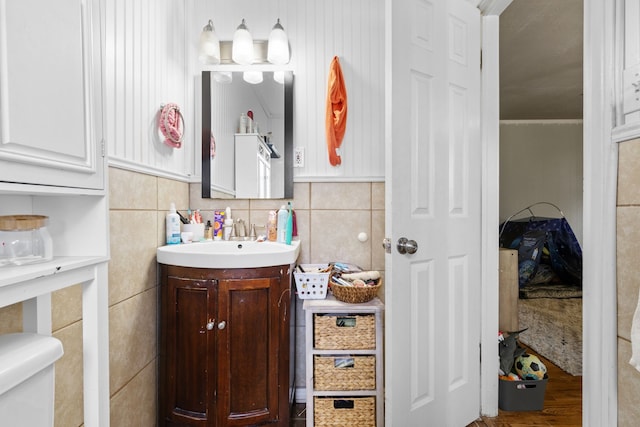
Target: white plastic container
column 312, row 283
column 244, row 121
column 24, row 239
column 197, row 231
column 173, row 226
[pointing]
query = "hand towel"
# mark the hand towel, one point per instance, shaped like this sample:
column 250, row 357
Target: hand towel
column 336, row 118
column 635, row 338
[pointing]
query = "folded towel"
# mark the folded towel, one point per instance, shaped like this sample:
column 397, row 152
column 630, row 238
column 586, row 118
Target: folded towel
column 336, row 118
column 635, row 338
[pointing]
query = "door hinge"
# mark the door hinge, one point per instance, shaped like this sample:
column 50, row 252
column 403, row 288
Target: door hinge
column 103, row 147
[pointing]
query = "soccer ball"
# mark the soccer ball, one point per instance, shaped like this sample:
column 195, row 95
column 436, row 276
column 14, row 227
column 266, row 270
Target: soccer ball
column 529, row 367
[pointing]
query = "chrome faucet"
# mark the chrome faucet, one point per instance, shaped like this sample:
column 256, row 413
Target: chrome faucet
column 240, row 230
column 252, row 234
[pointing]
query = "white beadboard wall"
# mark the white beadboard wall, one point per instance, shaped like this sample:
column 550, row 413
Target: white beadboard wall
column 147, row 64
column 151, row 59
column 318, row 30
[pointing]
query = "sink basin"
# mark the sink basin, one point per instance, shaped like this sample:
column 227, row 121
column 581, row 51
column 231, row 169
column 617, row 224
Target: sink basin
column 229, row 254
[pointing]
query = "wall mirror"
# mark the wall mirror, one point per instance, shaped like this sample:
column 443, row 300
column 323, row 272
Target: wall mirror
column 255, row 164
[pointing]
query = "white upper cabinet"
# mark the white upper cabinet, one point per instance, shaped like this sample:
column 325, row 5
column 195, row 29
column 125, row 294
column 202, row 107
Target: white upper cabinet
column 51, row 126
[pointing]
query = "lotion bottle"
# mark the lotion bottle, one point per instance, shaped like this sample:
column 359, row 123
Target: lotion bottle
column 282, row 224
column 173, row 226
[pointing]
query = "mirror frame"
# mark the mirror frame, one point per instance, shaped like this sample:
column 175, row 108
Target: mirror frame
column 206, row 134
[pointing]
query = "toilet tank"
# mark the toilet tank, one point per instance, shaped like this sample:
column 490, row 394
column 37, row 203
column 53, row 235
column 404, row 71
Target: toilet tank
column 27, row 379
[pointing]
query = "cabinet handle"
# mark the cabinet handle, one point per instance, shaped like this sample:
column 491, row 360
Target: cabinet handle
column 210, row 325
column 221, row 325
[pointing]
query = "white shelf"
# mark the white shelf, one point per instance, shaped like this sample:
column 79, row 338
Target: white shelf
column 18, row 274
column 46, row 190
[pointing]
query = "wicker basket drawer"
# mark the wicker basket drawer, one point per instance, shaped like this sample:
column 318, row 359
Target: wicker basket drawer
column 344, row 372
column 344, row 332
column 344, row 411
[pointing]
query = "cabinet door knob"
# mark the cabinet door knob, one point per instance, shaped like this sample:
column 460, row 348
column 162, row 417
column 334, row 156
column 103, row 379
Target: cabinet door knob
column 210, row 325
column 221, row 325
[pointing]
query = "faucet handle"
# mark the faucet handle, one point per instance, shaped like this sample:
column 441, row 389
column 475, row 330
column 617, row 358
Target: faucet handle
column 242, row 230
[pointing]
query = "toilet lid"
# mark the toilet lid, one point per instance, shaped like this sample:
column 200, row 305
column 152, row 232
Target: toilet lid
column 22, row 355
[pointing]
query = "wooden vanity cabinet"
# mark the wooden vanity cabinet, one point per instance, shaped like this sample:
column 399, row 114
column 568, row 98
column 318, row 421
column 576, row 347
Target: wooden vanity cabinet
column 224, row 346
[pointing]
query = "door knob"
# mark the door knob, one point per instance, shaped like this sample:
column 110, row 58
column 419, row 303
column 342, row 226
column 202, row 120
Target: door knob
column 221, row 325
column 406, row 246
column 210, row 325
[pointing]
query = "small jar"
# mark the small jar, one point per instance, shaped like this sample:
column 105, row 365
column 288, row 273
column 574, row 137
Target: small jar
column 24, row 239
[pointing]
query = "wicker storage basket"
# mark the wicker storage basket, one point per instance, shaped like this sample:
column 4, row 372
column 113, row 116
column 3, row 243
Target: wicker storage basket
column 342, row 412
column 344, row 372
column 337, row 332
column 354, row 295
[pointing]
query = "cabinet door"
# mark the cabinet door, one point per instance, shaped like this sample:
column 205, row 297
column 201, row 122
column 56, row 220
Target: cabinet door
column 188, row 364
column 51, row 93
column 248, row 349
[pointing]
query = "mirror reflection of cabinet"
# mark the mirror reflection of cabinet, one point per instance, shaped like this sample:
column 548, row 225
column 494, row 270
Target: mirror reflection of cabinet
column 253, row 167
column 222, row 106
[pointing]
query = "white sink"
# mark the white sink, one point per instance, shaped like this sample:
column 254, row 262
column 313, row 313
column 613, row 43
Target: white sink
column 229, row 254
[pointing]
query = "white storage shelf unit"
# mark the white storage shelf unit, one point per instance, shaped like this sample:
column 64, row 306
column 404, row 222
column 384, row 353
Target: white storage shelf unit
column 78, row 225
column 341, row 349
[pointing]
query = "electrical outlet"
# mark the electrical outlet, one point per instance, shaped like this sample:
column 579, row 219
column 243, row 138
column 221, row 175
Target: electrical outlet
column 298, row 157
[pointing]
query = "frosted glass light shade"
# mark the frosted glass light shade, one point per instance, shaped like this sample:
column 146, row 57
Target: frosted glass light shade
column 209, row 46
column 278, row 50
column 223, row 77
column 253, row 77
column 242, row 49
column 278, row 76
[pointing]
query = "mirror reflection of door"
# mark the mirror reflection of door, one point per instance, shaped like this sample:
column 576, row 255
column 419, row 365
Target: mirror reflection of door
column 233, row 165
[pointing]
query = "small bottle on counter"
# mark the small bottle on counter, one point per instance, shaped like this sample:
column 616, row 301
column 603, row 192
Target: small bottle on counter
column 272, row 226
column 173, row 226
column 282, row 224
column 244, row 120
column 289, row 226
column 208, row 231
column 250, row 122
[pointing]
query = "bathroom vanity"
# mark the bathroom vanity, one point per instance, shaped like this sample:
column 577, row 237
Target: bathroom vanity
column 225, row 346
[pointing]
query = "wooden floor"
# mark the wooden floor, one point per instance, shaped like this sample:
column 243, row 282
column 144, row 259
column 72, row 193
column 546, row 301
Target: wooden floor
column 562, row 406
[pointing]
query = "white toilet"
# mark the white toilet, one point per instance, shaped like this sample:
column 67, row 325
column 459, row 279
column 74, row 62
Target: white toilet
column 27, row 379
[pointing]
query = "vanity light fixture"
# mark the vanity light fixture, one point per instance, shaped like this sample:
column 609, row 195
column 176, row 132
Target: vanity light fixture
column 278, row 76
column 252, row 77
column 209, row 47
column 278, row 49
column 242, row 49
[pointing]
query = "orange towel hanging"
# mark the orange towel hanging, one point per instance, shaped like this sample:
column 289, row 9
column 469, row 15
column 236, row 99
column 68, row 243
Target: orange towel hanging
column 336, row 119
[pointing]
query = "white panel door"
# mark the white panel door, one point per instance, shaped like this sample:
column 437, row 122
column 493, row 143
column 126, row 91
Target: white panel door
column 433, row 197
column 50, row 87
